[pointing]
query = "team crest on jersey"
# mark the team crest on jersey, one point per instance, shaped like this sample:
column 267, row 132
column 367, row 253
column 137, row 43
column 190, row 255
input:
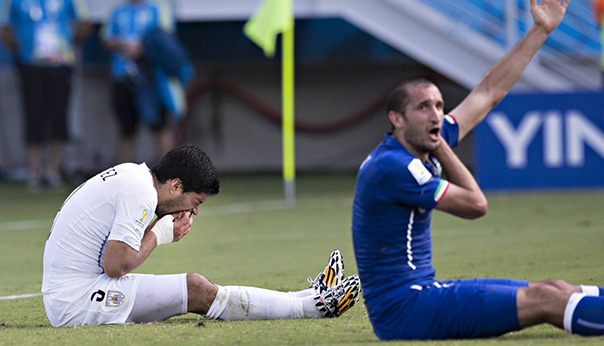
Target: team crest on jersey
column 419, row 171
column 114, row 299
column 142, row 215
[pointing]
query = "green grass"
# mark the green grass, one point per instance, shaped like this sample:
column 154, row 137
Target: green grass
column 248, row 236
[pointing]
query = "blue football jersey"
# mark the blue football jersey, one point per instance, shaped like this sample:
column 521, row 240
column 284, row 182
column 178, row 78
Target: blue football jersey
column 129, row 22
column 43, row 29
column 394, row 196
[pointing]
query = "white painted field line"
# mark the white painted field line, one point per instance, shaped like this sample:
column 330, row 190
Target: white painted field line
column 272, row 205
column 20, row 296
column 227, row 209
column 24, row 225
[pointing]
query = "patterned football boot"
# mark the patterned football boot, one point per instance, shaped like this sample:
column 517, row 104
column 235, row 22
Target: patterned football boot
column 331, row 276
column 336, row 301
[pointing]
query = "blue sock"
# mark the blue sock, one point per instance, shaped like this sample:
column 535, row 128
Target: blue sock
column 584, row 315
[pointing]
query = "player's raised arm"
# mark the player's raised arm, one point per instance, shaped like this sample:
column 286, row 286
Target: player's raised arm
column 496, row 83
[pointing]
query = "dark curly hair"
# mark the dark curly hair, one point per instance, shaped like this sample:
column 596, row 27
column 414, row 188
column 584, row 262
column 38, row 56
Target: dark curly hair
column 192, row 166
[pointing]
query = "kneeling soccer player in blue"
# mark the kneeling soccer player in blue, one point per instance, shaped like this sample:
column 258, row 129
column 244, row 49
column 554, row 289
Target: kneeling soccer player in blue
column 399, row 184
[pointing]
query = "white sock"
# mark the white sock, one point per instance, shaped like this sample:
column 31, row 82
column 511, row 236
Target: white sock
column 593, row 291
column 569, row 310
column 235, row 303
column 304, row 293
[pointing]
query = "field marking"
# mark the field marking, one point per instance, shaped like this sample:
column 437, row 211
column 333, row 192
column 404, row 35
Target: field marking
column 226, row 209
column 20, row 296
column 24, row 225
column 271, row 205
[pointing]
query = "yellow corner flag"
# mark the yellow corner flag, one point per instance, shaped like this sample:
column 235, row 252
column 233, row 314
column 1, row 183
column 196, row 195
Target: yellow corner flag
column 271, row 18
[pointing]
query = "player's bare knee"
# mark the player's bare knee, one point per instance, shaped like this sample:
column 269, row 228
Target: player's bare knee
column 562, row 285
column 201, row 293
column 198, row 282
column 539, row 296
column 547, row 301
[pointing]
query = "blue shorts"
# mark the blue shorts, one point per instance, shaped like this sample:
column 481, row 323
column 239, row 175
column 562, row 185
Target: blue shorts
column 455, row 309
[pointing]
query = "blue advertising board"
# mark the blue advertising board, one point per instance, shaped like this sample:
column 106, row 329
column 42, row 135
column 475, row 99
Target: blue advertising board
column 542, row 141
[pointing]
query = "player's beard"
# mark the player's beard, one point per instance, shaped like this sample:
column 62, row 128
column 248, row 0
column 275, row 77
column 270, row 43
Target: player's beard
column 170, row 206
column 420, row 141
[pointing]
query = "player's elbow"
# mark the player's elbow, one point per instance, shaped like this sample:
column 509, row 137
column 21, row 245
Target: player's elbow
column 479, row 208
column 115, row 273
column 114, row 270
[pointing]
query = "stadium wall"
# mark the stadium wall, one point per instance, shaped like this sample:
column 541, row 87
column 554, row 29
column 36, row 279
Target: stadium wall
column 235, row 101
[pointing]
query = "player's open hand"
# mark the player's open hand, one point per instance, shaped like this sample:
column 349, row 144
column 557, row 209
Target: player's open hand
column 183, row 221
column 548, row 13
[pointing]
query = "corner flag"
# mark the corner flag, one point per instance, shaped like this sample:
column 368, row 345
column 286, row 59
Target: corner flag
column 271, row 18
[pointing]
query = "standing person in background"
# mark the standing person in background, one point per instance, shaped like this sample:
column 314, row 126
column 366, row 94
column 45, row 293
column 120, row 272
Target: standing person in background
column 137, row 83
column 42, row 34
column 598, row 11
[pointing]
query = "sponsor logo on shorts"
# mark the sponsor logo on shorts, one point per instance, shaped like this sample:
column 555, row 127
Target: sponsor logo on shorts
column 114, row 298
column 98, row 296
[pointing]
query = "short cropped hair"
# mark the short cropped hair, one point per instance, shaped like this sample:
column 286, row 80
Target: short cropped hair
column 399, row 96
column 192, row 166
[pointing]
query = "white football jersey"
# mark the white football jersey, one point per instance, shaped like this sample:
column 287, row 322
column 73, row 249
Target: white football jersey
column 117, row 204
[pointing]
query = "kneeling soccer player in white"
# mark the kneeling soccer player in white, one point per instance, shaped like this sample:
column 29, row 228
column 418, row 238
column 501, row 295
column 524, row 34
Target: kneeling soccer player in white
column 103, row 231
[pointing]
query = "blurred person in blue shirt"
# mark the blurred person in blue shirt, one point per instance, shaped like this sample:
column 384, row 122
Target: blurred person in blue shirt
column 142, row 91
column 43, row 34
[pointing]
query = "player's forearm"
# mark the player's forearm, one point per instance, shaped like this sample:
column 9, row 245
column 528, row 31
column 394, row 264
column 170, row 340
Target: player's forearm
column 6, row 34
column 120, row 259
column 502, row 76
column 463, row 197
column 456, row 171
column 111, row 44
column 498, row 81
column 81, row 32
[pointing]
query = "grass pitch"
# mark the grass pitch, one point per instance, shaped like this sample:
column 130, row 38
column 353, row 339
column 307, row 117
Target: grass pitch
column 247, row 236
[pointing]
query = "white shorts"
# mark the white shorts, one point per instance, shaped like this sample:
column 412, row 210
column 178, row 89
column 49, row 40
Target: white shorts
column 103, row 300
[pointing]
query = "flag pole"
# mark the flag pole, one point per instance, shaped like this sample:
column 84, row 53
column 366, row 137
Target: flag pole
column 271, row 18
column 288, row 124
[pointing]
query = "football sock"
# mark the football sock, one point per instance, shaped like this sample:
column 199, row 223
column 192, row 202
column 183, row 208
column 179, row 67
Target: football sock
column 593, row 291
column 584, row 315
column 304, row 293
column 235, row 303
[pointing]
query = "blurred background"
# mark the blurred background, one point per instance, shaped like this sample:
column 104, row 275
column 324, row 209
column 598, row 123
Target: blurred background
column 549, row 132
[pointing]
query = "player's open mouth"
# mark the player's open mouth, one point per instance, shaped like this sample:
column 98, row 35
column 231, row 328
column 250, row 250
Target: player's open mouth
column 434, row 133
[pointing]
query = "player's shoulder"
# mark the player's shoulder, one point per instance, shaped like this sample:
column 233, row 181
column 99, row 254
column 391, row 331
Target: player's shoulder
column 396, row 165
column 389, row 158
column 127, row 173
column 130, row 179
column 134, row 170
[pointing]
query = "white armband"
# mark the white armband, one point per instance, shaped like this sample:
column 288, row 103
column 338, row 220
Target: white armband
column 164, row 230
